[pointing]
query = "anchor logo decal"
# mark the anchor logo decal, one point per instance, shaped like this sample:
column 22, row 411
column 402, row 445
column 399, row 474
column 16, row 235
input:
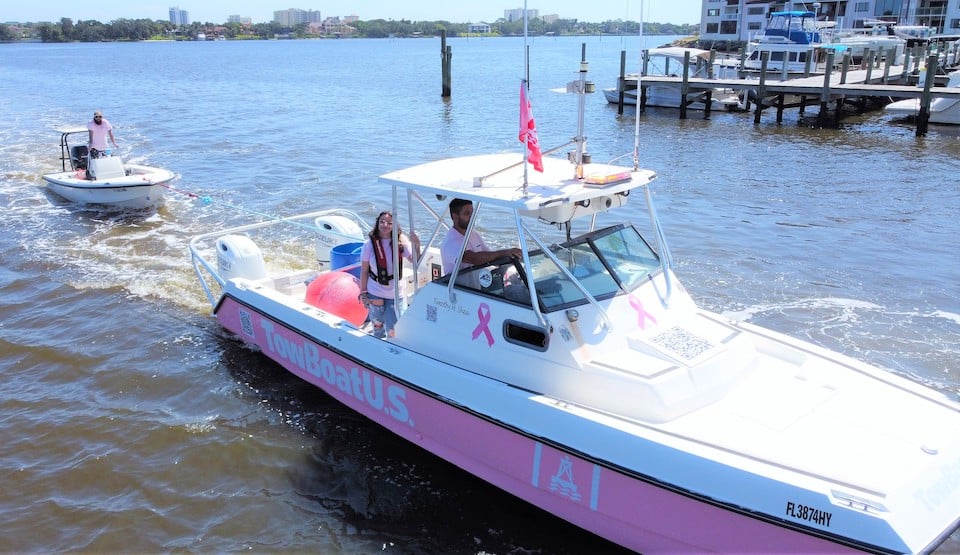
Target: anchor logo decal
column 562, row 482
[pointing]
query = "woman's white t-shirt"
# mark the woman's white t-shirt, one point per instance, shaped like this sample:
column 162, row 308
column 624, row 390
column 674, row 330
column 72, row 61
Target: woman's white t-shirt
column 368, row 254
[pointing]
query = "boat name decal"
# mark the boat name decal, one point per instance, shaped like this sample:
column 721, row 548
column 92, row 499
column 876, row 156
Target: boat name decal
column 483, row 314
column 446, row 305
column 357, row 382
column 803, row 512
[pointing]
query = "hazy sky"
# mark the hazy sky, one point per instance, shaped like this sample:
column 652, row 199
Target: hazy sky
column 216, row 11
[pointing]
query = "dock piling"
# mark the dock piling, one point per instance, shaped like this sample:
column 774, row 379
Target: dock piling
column 622, row 83
column 761, row 87
column 684, row 84
column 446, row 54
column 923, row 118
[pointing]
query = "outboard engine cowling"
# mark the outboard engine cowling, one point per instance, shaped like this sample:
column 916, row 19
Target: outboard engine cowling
column 239, row 256
column 333, row 231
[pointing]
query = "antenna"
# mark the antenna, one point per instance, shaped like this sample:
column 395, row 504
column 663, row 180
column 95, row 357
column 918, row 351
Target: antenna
column 636, row 117
column 526, row 86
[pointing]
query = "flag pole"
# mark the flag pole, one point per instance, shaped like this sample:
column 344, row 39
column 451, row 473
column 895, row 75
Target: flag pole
column 523, row 85
column 636, row 117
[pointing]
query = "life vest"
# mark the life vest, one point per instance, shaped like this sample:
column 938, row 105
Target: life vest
column 384, row 276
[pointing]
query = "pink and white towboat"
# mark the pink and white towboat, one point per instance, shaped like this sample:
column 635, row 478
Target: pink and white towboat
column 584, row 379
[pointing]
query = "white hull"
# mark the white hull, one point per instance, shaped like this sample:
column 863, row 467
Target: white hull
column 942, row 110
column 578, row 374
column 782, row 445
column 143, row 188
column 669, row 62
column 794, row 56
column 669, row 97
column 879, row 46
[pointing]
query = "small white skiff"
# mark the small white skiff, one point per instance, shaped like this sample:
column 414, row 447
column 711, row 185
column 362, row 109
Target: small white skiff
column 104, row 180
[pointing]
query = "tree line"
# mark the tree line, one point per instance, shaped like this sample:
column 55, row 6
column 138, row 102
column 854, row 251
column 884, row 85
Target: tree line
column 145, row 29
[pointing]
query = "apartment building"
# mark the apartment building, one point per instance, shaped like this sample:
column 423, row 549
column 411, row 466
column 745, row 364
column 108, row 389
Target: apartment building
column 740, row 20
column 179, row 17
column 295, row 16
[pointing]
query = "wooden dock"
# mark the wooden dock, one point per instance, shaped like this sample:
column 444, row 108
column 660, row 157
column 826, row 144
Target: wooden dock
column 857, row 88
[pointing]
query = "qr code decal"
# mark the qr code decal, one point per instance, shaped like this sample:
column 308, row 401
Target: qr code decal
column 246, row 324
column 682, row 343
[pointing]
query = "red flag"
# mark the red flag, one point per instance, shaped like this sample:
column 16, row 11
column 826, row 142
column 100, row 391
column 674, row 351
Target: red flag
column 528, row 130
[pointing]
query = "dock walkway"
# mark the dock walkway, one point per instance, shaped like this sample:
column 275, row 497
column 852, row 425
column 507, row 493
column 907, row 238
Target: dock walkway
column 848, row 87
column 855, row 84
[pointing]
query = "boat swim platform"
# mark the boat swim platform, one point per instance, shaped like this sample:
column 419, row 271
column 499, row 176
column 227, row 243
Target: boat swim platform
column 854, row 87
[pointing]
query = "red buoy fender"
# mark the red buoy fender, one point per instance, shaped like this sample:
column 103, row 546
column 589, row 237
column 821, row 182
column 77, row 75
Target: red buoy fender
column 337, row 293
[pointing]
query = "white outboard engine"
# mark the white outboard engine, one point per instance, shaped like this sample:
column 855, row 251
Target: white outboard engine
column 333, row 231
column 239, row 256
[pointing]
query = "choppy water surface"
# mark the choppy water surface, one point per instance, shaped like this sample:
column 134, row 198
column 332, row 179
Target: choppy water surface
column 131, row 423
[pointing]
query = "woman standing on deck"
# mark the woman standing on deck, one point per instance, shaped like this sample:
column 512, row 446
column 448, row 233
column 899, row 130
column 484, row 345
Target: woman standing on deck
column 376, row 287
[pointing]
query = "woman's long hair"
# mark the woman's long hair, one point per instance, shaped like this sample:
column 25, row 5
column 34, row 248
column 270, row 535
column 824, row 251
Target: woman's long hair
column 374, row 234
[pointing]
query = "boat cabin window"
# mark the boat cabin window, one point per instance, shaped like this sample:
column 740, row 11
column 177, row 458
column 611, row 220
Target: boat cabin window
column 606, row 263
column 502, row 278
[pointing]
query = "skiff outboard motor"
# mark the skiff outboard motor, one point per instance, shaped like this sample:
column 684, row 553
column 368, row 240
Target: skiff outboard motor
column 239, row 256
column 78, row 157
column 333, row 231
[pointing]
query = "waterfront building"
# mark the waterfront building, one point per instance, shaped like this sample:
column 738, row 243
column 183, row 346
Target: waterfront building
column 296, row 16
column 336, row 27
column 179, row 17
column 741, row 20
column 517, row 14
column 479, row 28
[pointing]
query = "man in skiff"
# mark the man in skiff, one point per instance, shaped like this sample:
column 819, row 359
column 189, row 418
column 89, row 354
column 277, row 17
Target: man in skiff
column 98, row 131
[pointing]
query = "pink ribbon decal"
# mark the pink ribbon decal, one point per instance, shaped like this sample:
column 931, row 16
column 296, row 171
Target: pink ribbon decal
column 483, row 314
column 642, row 314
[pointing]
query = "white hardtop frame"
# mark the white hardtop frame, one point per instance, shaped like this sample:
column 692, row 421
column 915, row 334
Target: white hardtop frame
column 562, row 192
column 498, row 179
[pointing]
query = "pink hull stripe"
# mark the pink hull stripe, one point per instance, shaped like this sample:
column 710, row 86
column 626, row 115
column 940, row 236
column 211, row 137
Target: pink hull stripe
column 631, row 512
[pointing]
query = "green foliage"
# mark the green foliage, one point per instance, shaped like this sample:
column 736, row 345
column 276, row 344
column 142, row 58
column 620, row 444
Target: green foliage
column 144, row 29
column 7, row 34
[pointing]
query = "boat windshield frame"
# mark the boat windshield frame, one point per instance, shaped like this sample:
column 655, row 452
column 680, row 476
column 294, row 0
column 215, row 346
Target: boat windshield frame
column 595, row 266
column 796, row 26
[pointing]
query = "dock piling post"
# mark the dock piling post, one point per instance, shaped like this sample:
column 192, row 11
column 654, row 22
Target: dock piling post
column 888, row 63
column 622, row 83
column 825, row 93
column 844, row 66
column 923, row 118
column 685, row 84
column 761, row 88
column 446, row 54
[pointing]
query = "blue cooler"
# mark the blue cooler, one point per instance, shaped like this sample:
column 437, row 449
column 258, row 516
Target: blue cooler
column 346, row 257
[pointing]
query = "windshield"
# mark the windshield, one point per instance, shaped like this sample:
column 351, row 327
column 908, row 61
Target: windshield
column 605, row 262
